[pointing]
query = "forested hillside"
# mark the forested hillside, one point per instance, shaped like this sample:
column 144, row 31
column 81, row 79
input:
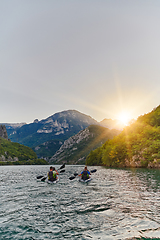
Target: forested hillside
column 138, row 145
column 15, row 153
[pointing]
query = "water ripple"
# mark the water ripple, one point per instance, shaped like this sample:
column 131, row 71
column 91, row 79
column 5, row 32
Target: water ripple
column 116, row 204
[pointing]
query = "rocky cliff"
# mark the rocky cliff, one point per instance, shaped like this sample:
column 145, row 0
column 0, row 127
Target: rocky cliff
column 76, row 148
column 3, row 132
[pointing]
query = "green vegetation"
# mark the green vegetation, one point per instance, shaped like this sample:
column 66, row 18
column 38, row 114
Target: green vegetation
column 17, row 154
column 47, row 149
column 138, row 145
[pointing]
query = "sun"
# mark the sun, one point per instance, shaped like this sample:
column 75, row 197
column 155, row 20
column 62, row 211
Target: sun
column 124, row 118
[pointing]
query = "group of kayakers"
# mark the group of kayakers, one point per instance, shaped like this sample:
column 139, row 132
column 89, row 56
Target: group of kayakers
column 53, row 174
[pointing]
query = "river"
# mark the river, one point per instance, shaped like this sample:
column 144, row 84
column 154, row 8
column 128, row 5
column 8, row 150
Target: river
column 116, row 204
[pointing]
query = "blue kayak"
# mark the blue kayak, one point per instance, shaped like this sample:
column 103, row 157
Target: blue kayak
column 85, row 181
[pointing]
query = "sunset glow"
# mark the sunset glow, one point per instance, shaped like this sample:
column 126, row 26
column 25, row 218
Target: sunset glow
column 124, row 117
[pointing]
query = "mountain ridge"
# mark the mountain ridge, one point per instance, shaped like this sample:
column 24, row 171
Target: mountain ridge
column 59, row 126
column 46, row 136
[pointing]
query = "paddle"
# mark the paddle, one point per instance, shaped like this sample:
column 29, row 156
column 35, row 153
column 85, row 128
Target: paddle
column 39, row 177
column 72, row 177
column 43, row 179
column 63, row 166
column 76, row 174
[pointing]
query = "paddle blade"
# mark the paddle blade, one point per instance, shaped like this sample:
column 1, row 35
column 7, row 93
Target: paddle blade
column 62, row 171
column 38, row 177
column 63, row 166
column 43, row 179
column 75, row 174
column 72, row 177
column 95, row 170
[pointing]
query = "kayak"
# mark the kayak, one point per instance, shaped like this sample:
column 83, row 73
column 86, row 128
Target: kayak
column 57, row 180
column 85, row 181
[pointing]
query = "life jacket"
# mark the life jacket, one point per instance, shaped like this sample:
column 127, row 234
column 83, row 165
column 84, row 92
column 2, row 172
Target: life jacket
column 85, row 175
column 52, row 176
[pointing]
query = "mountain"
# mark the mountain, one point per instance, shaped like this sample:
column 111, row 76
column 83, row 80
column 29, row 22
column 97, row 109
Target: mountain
column 15, row 153
column 76, row 148
column 59, row 126
column 138, row 145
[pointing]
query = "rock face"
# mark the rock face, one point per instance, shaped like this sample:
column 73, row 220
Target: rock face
column 8, row 159
column 3, row 132
column 70, row 146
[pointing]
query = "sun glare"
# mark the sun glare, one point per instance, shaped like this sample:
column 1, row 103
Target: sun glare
column 124, row 118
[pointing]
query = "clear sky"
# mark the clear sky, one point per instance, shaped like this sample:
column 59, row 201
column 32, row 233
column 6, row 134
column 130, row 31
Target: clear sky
column 99, row 57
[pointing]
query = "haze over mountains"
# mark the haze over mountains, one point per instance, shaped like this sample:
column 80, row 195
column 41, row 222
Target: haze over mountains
column 112, row 124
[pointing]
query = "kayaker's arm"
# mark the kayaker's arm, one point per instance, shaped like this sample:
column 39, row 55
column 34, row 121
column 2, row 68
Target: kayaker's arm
column 57, row 172
column 80, row 174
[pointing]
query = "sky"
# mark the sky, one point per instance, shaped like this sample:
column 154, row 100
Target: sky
column 100, row 57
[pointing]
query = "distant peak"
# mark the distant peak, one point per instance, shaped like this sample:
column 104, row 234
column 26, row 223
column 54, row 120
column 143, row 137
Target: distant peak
column 36, row 121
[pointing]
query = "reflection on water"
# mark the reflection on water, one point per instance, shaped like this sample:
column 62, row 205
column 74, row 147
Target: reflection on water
column 116, row 204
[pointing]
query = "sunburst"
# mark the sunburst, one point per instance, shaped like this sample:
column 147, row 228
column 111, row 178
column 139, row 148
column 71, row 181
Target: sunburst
column 124, row 117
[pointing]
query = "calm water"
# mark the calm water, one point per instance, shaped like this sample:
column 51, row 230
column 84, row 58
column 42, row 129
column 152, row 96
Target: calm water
column 116, row 204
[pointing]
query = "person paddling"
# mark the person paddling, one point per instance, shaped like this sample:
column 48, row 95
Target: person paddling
column 52, row 174
column 85, row 174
